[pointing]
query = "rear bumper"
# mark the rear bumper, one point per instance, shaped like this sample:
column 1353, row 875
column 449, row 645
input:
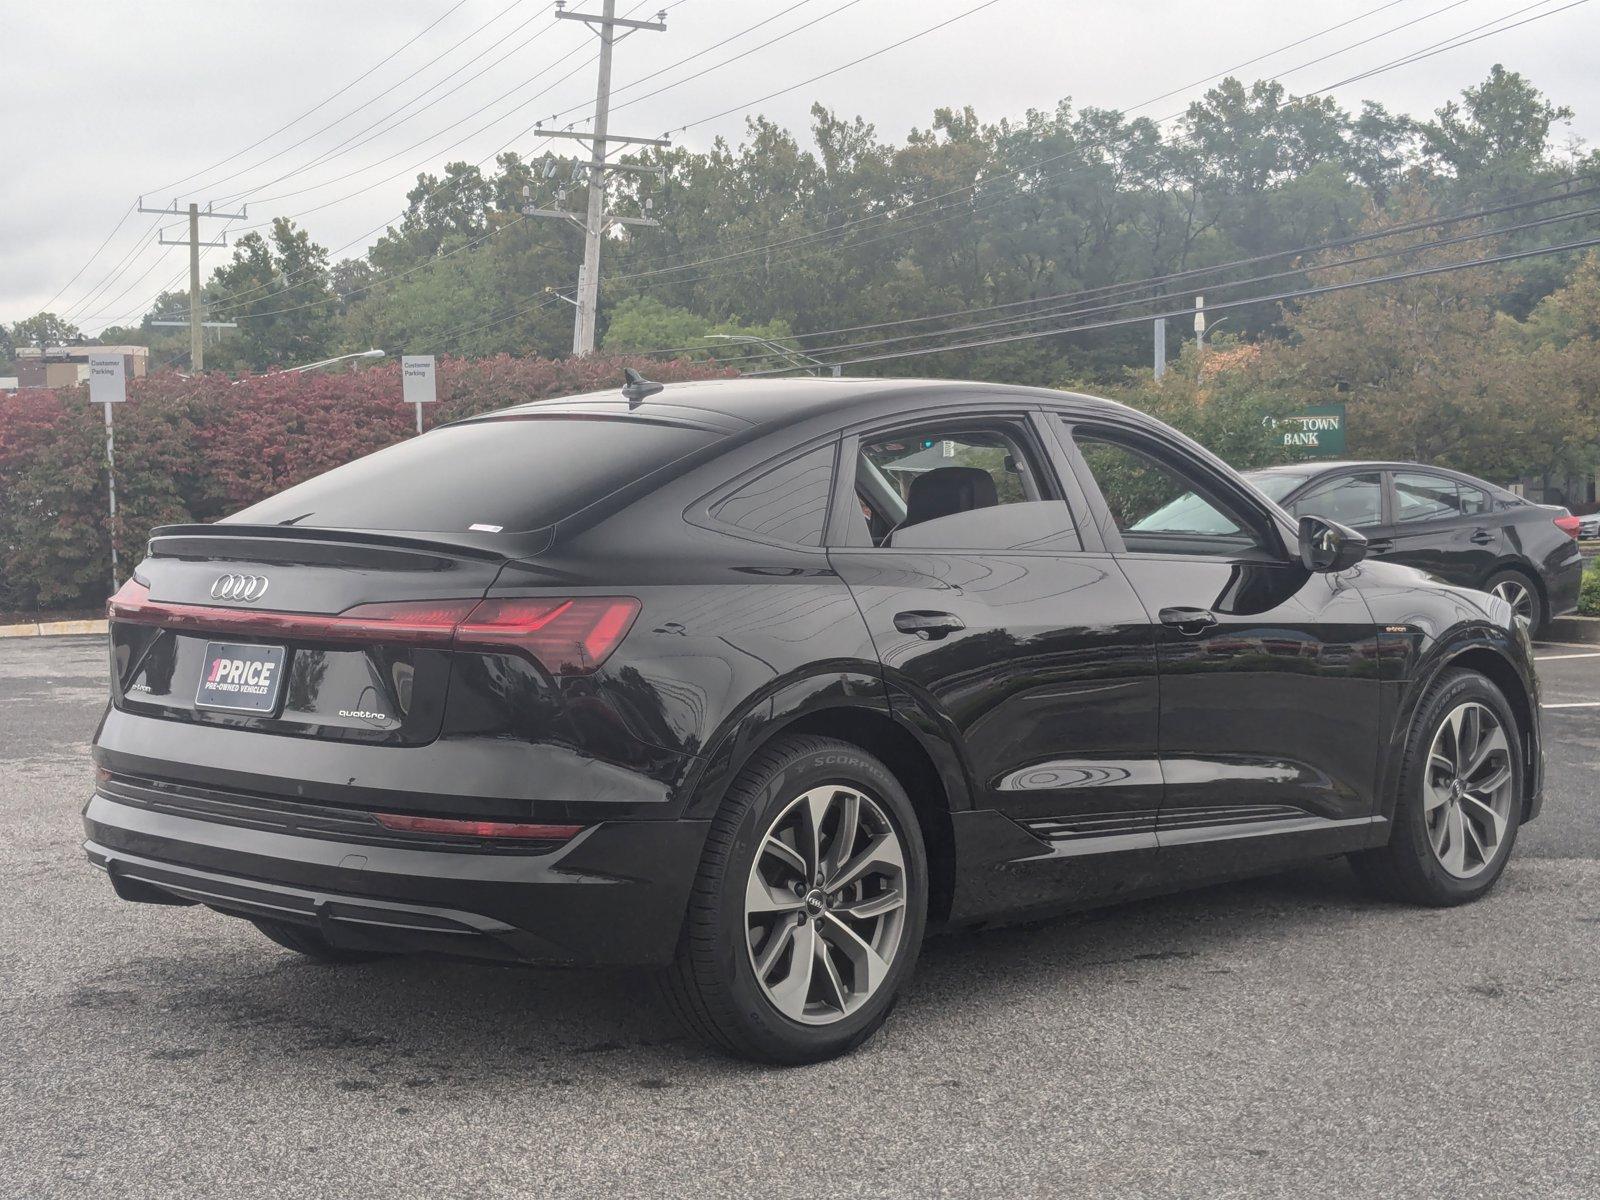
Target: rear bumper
column 1562, row 583
column 614, row 895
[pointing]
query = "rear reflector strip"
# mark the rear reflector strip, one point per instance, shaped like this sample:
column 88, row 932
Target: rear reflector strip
column 566, row 635
column 479, row 829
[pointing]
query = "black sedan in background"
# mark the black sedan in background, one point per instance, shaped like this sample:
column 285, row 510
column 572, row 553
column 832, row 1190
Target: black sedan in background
column 1456, row 528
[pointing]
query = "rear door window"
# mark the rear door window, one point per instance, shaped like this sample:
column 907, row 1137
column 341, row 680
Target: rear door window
column 507, row 475
column 1422, row 497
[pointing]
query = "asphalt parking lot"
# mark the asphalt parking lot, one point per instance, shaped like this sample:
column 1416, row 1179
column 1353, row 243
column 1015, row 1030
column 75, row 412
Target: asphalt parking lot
column 1285, row 1037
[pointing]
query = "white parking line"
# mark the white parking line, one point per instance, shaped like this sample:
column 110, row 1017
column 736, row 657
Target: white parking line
column 1574, row 704
column 1563, row 657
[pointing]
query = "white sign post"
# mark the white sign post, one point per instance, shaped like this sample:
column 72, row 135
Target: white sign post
column 417, row 378
column 108, row 385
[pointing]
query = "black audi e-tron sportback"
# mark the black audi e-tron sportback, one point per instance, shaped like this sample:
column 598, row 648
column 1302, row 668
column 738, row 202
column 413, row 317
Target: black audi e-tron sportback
column 755, row 681
column 1460, row 529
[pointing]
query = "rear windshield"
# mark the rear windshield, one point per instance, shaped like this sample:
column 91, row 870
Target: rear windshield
column 502, row 476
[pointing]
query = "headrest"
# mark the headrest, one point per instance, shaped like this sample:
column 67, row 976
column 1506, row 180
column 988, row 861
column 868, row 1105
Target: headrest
column 946, row 490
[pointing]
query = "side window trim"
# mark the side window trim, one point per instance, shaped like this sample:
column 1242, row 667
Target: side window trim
column 1050, row 428
column 1161, row 450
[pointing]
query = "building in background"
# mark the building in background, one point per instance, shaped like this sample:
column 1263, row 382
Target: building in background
column 66, row 366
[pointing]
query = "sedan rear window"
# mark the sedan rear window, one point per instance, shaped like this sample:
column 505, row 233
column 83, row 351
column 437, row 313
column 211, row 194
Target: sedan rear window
column 508, row 475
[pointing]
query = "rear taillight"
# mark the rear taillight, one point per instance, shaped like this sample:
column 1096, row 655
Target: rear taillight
column 519, row 830
column 566, row 635
column 1568, row 525
column 569, row 637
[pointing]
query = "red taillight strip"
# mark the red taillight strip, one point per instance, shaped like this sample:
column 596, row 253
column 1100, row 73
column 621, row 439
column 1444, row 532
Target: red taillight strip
column 479, row 829
column 1569, row 525
column 432, row 623
column 566, row 635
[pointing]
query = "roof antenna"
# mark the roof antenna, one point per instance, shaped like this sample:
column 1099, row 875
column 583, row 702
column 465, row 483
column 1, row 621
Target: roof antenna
column 638, row 387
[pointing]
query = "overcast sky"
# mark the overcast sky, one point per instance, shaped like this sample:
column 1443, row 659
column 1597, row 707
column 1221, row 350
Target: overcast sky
column 105, row 99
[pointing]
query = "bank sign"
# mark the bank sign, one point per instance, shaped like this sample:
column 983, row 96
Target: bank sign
column 1317, row 432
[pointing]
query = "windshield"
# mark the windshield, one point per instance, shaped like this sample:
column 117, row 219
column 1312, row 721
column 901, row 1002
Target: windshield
column 1189, row 513
column 1274, row 485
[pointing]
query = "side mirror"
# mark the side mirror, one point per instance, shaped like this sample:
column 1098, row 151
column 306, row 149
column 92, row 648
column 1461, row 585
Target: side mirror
column 1328, row 546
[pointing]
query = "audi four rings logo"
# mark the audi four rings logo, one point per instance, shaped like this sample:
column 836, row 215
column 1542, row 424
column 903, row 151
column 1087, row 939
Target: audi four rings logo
column 239, row 587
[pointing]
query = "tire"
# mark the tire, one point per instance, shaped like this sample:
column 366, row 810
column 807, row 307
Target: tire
column 1522, row 593
column 312, row 944
column 813, row 995
column 1433, row 858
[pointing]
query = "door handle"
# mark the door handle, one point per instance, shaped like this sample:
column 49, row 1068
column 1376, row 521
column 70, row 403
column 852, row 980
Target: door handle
column 929, row 626
column 1379, row 545
column 1188, row 620
column 1481, row 537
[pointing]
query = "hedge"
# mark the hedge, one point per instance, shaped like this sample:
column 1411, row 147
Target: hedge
column 195, row 449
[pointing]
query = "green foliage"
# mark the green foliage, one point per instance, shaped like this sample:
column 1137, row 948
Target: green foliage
column 195, row 449
column 278, row 290
column 44, row 329
column 1226, row 400
column 643, row 323
column 1589, row 591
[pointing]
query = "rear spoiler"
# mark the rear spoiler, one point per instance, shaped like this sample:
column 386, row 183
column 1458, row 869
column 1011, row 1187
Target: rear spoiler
column 375, row 549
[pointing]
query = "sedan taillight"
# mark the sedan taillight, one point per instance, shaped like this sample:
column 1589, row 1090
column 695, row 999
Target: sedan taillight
column 1568, row 525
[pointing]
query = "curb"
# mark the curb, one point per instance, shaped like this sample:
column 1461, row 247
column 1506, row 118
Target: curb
column 52, row 629
column 1574, row 629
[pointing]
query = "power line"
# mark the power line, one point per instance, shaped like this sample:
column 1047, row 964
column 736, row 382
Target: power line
column 1196, row 274
column 329, row 99
column 1460, row 40
column 320, row 104
column 922, row 33
column 968, row 206
column 960, row 208
column 838, row 231
column 121, row 221
column 596, row 220
column 1189, row 310
column 344, row 146
column 643, row 79
column 1211, row 288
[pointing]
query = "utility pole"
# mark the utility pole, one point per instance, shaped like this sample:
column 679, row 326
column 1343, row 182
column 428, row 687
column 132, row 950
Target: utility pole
column 596, row 220
column 1200, row 326
column 1161, row 347
column 197, row 322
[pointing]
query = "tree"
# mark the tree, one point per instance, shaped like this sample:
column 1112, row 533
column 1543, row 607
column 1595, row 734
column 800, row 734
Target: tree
column 45, row 329
column 1424, row 369
column 643, row 323
column 1497, row 137
column 279, row 292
